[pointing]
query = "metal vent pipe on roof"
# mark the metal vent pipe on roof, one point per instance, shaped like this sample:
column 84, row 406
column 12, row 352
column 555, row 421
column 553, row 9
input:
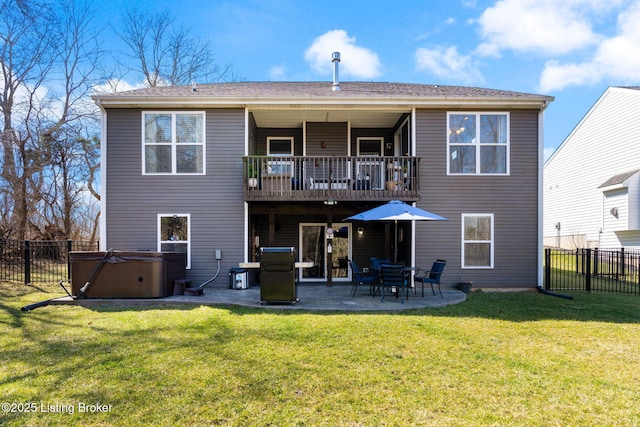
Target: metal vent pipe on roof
column 335, row 58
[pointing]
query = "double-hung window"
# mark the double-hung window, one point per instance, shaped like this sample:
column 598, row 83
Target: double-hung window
column 174, row 234
column 173, row 143
column 280, row 147
column 478, row 143
column 477, row 241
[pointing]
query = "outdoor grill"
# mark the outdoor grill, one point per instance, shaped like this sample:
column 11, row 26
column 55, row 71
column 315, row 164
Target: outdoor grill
column 278, row 275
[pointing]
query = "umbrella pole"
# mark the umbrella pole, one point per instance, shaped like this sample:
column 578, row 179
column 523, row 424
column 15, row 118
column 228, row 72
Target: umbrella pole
column 395, row 245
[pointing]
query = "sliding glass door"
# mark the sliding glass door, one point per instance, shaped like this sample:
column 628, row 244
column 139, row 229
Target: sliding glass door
column 314, row 246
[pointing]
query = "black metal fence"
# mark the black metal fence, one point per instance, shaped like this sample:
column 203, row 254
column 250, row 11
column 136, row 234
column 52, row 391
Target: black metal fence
column 592, row 270
column 38, row 261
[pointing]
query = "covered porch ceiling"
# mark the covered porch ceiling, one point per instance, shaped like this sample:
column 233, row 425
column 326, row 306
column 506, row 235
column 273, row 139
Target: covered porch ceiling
column 358, row 118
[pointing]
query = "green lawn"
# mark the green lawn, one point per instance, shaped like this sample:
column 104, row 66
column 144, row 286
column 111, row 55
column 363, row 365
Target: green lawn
column 522, row 359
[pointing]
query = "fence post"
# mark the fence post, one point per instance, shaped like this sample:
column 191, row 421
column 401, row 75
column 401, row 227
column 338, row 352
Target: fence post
column 587, row 283
column 622, row 263
column 27, row 262
column 547, row 269
column 69, row 248
column 579, row 261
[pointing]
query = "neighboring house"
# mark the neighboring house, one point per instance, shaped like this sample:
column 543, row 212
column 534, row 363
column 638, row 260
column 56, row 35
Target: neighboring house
column 235, row 166
column 592, row 181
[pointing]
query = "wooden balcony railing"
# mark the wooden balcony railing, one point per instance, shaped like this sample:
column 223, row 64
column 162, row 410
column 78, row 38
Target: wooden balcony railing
column 280, row 178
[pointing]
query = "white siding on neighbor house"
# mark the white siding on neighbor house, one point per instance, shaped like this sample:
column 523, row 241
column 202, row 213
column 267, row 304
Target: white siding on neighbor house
column 605, row 143
column 615, row 210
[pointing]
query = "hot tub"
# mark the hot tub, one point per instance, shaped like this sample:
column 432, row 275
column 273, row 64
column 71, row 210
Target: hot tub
column 126, row 274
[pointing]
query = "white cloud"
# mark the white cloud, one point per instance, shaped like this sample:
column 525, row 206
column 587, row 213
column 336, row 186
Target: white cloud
column 116, row 85
column 447, row 63
column 547, row 152
column 356, row 62
column 616, row 58
column 277, row 72
column 546, row 27
column 556, row 76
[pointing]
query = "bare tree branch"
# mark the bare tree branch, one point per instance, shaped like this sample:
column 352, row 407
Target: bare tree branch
column 166, row 55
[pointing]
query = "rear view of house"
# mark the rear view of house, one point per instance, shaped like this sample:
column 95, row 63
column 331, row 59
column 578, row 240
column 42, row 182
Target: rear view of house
column 233, row 167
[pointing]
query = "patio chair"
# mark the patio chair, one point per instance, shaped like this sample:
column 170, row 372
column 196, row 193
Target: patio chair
column 432, row 276
column 392, row 276
column 374, row 270
column 359, row 277
column 375, row 265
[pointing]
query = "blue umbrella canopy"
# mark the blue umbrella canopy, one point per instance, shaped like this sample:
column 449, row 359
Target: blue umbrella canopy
column 396, row 210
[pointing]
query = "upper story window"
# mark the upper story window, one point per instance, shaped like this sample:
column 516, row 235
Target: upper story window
column 478, row 143
column 173, row 143
column 280, row 147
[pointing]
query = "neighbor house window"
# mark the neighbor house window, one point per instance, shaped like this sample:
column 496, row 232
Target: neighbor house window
column 174, row 234
column 478, row 143
column 173, row 143
column 477, row 241
column 280, row 147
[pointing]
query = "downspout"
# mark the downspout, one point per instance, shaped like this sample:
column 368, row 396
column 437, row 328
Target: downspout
column 103, row 177
column 413, row 153
column 246, row 204
column 540, row 198
column 541, row 288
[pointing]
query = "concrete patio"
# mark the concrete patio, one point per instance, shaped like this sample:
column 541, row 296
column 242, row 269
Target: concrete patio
column 312, row 297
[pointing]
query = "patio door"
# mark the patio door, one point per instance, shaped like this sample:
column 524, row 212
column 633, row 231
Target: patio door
column 370, row 169
column 314, row 247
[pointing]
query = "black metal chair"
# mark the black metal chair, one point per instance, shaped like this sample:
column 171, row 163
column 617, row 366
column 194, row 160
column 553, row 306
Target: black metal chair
column 392, row 276
column 359, row 277
column 432, row 276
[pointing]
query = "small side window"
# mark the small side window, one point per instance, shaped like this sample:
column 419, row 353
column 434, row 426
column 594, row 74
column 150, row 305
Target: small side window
column 174, row 234
column 477, row 241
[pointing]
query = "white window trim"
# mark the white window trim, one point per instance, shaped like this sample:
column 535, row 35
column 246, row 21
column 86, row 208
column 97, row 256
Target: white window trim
column 477, row 145
column 174, row 144
column 376, row 161
column 370, row 138
column 280, row 138
column 279, row 165
column 188, row 241
column 463, row 242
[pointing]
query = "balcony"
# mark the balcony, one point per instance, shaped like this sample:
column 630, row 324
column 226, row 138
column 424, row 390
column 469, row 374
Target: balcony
column 290, row 178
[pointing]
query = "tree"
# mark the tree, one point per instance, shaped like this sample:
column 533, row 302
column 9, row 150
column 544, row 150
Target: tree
column 27, row 53
column 164, row 54
column 44, row 128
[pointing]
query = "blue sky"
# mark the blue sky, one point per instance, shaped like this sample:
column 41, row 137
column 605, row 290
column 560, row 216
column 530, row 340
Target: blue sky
column 570, row 49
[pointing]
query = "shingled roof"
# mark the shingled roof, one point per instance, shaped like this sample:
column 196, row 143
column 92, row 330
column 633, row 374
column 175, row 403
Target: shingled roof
column 365, row 91
column 618, row 179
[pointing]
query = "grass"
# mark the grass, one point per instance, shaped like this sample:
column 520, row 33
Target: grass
column 499, row 359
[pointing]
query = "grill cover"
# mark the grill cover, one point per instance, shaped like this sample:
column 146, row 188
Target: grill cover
column 278, row 275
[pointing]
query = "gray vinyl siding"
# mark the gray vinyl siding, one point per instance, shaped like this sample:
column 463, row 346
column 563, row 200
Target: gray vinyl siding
column 333, row 135
column 214, row 200
column 513, row 200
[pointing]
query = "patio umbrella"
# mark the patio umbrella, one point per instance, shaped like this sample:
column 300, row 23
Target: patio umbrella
column 396, row 210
